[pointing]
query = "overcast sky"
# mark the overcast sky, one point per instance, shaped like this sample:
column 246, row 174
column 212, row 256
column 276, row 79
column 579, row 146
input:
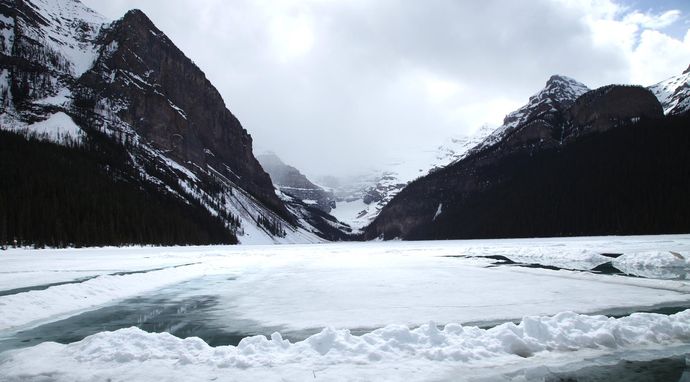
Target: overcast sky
column 339, row 86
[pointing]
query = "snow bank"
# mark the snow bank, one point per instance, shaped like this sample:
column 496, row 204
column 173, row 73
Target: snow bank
column 653, row 259
column 569, row 258
column 151, row 356
column 655, row 264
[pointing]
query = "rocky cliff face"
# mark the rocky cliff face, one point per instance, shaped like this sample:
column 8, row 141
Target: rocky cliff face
column 291, row 181
column 610, row 106
column 67, row 74
column 563, row 114
column 165, row 98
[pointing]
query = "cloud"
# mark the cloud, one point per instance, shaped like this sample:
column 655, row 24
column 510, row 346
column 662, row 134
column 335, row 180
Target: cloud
column 338, row 86
column 652, row 21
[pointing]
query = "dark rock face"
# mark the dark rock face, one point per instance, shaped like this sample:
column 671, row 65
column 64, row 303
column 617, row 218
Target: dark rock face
column 291, row 181
column 169, row 101
column 457, row 201
column 611, row 106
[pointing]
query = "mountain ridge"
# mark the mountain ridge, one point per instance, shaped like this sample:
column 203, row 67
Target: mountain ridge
column 549, row 122
column 67, row 69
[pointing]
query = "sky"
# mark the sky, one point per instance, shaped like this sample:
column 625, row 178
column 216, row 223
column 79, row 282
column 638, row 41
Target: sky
column 338, row 87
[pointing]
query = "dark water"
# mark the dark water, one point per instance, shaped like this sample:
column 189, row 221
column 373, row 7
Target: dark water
column 184, row 310
column 669, row 368
column 664, row 369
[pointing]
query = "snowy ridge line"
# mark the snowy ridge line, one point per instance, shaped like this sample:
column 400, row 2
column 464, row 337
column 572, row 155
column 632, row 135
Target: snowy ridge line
column 35, row 307
column 454, row 343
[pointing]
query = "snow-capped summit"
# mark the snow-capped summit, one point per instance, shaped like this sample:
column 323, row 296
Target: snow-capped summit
column 674, row 93
column 557, row 96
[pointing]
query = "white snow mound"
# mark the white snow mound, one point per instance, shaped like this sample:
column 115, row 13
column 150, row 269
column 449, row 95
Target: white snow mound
column 653, row 259
column 564, row 332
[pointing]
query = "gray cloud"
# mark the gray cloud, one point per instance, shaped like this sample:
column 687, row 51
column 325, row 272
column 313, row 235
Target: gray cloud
column 334, row 87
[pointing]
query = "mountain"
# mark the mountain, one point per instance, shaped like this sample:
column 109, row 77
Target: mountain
column 674, row 93
column 360, row 198
column 570, row 162
column 540, row 119
column 125, row 97
column 291, row 181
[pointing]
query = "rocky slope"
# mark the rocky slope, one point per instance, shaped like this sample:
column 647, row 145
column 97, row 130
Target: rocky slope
column 290, row 180
column 548, row 139
column 67, row 75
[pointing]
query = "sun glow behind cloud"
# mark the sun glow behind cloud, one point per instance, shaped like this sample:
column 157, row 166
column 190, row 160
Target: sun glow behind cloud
column 293, row 36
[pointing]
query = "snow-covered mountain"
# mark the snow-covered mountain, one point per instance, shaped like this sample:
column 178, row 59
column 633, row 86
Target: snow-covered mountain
column 674, row 93
column 290, row 180
column 70, row 76
column 569, row 162
column 360, row 198
column 546, row 106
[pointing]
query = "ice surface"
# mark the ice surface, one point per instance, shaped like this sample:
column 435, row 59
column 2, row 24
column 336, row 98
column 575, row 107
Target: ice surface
column 394, row 352
column 375, row 285
column 347, row 285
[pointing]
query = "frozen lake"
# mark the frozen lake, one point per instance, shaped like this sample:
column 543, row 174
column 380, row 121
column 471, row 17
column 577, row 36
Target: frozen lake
column 360, row 291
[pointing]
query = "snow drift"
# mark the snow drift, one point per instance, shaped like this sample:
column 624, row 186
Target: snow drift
column 147, row 354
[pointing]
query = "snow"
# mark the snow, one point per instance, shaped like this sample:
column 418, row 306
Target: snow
column 343, row 285
column 399, row 169
column 72, row 29
column 369, row 287
column 132, row 354
column 68, row 299
column 673, row 93
column 58, row 128
column 62, row 98
column 582, row 259
column 6, row 34
column 559, row 89
column 438, row 211
column 355, row 213
column 398, row 291
column 654, row 259
column 655, row 264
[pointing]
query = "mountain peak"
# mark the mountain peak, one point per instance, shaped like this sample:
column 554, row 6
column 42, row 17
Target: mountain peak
column 137, row 15
column 559, row 81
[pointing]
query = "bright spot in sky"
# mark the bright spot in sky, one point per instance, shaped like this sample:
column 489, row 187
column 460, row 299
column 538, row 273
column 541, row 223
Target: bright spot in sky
column 438, row 89
column 293, row 37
